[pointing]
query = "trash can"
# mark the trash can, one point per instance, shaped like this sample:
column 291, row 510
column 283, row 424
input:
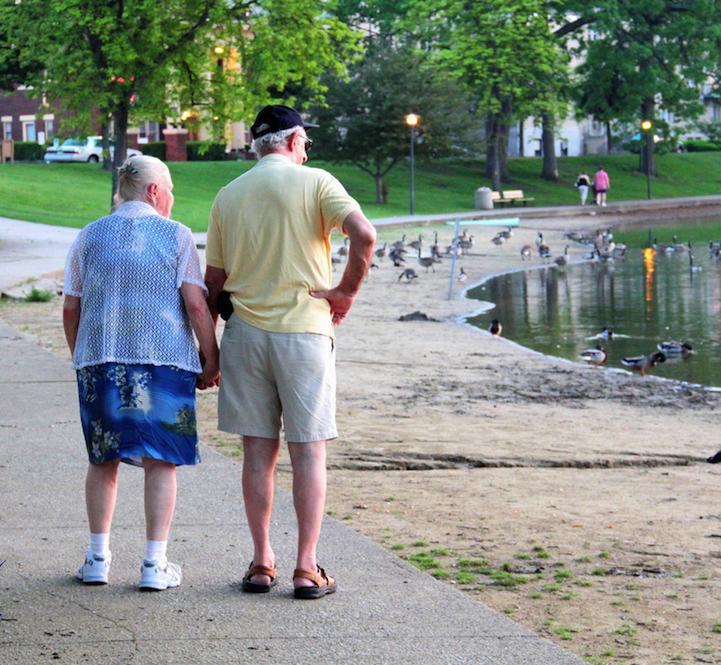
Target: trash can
column 484, row 199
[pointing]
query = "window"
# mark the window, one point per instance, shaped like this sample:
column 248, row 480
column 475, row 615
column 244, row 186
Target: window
column 8, row 130
column 29, row 131
column 49, row 129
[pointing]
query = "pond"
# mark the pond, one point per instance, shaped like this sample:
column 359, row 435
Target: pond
column 646, row 298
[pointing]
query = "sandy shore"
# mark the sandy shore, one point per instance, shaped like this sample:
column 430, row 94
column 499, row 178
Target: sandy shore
column 575, row 500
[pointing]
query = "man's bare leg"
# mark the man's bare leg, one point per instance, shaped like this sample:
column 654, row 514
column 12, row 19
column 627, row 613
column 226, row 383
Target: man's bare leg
column 309, row 486
column 259, row 459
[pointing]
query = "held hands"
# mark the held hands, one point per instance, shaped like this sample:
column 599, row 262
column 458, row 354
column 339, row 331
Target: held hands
column 340, row 303
column 210, row 376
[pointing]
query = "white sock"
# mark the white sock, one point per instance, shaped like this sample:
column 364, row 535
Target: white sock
column 99, row 544
column 155, row 550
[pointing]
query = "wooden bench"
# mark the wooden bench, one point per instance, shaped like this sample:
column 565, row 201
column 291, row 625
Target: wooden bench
column 515, row 195
column 498, row 198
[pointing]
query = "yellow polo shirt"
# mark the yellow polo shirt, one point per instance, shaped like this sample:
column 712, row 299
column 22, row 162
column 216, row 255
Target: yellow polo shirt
column 270, row 231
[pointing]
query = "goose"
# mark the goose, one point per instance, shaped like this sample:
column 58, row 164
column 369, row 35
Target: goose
column 409, row 274
column 498, row 240
column 661, row 248
column 462, row 277
column 466, row 243
column 435, row 249
column 642, row 363
column 526, row 252
column 334, row 261
column 594, row 357
column 495, row 329
column 544, row 251
column 417, row 244
column 539, row 240
column 427, row 261
column 506, row 234
column 343, row 251
column 692, row 267
column 400, row 244
column 574, row 236
column 680, row 247
column 562, row 261
column 398, row 261
column 673, row 348
column 396, row 254
column 381, row 251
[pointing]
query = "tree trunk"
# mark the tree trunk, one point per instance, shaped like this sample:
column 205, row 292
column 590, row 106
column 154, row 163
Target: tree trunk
column 120, row 119
column 504, row 130
column 521, row 141
column 647, row 158
column 609, row 138
column 380, row 199
column 548, row 146
column 105, row 133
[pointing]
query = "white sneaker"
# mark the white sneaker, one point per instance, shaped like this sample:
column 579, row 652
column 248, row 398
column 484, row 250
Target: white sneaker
column 95, row 569
column 154, row 577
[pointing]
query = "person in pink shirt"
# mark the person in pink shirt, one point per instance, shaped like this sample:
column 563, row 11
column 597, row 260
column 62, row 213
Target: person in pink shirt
column 603, row 184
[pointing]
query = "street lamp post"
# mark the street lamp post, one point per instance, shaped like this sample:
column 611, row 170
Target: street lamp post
column 647, row 125
column 412, row 120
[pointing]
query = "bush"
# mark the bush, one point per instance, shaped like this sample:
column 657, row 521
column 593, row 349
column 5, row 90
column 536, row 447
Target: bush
column 701, row 146
column 154, row 149
column 28, row 151
column 206, row 151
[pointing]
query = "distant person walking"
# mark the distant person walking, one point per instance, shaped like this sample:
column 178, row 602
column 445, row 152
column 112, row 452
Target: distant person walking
column 583, row 182
column 602, row 183
column 269, row 247
column 134, row 295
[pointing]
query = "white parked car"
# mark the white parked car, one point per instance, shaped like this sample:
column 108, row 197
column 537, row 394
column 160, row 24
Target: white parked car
column 81, row 150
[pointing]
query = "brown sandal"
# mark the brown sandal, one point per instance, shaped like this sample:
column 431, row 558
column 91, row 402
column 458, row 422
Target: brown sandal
column 324, row 584
column 252, row 587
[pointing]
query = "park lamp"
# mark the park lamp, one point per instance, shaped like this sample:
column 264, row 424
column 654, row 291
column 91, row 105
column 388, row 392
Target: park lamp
column 219, row 50
column 412, row 120
column 646, row 125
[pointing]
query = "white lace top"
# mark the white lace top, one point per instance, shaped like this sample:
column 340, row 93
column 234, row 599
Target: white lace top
column 127, row 269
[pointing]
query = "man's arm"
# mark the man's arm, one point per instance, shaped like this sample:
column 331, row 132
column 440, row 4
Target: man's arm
column 362, row 241
column 215, row 281
column 197, row 309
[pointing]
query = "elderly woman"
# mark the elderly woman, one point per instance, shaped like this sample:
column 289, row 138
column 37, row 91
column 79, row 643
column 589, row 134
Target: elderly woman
column 134, row 295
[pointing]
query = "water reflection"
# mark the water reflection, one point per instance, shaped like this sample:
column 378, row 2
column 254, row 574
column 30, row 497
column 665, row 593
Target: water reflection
column 646, row 298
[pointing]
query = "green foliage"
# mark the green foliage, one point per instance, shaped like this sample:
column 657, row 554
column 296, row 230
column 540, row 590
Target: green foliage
column 28, row 151
column 465, row 578
column 206, row 151
column 504, row 578
column 39, row 296
column 154, row 149
column 701, row 146
column 424, row 561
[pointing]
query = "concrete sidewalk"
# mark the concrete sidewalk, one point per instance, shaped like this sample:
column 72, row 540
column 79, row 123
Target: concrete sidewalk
column 385, row 611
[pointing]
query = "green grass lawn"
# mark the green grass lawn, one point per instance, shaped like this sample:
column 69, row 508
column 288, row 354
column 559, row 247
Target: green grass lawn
column 76, row 194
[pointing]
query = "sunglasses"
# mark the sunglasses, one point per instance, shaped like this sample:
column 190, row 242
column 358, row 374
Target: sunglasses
column 308, row 143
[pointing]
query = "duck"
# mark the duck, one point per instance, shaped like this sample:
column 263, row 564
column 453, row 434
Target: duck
column 409, row 274
column 462, row 277
column 381, row 251
column 526, row 252
column 594, row 357
column 607, row 334
column 562, row 261
column 642, row 363
column 495, row 329
column 673, row 348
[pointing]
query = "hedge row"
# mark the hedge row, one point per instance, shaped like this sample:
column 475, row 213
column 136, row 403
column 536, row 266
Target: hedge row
column 701, row 146
column 28, row 151
column 198, row 151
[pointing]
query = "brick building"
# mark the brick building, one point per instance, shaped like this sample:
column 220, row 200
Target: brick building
column 21, row 118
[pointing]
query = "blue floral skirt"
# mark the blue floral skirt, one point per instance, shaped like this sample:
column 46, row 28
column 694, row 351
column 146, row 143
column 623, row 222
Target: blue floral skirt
column 133, row 411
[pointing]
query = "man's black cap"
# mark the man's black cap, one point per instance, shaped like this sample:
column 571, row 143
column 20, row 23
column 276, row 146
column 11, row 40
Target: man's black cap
column 276, row 118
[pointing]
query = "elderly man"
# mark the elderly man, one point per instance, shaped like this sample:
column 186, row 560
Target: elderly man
column 269, row 248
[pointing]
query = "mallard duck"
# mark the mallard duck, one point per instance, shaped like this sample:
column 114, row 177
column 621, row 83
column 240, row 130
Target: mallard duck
column 409, row 274
column 594, row 357
column 495, row 329
column 526, row 252
column 607, row 334
column 642, row 363
column 673, row 348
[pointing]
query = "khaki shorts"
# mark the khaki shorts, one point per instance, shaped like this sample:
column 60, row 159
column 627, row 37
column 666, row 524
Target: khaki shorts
column 266, row 375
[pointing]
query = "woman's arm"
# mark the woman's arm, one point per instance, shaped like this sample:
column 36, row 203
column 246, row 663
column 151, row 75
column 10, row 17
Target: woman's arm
column 71, row 320
column 202, row 322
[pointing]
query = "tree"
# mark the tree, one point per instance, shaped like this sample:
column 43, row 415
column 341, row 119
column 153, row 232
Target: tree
column 143, row 59
column 646, row 55
column 362, row 122
column 497, row 48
